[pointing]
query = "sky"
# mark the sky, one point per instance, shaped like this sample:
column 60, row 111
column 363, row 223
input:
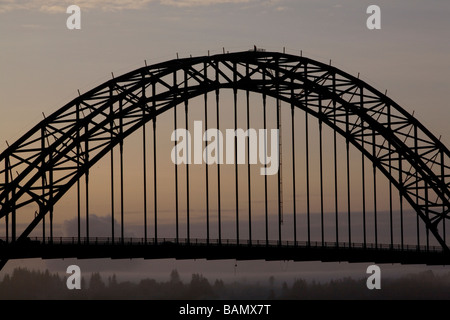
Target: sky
column 43, row 64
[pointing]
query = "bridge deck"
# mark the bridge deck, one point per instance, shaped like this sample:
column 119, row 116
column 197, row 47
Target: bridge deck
column 127, row 248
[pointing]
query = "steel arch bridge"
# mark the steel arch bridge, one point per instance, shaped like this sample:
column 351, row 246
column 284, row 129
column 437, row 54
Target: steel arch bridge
column 59, row 152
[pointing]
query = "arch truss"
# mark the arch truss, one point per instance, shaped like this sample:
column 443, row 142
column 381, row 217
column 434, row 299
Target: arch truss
column 40, row 167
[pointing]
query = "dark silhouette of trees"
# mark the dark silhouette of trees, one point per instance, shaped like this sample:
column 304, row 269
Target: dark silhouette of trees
column 37, row 285
column 25, row 284
column 199, row 288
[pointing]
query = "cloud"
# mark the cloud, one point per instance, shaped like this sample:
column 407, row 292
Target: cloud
column 98, row 226
column 52, row 9
column 60, row 6
column 197, row 3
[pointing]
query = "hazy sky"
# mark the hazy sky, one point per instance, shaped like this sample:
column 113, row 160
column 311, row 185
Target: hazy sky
column 42, row 63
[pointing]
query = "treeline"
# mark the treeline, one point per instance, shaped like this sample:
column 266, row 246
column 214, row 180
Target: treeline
column 30, row 284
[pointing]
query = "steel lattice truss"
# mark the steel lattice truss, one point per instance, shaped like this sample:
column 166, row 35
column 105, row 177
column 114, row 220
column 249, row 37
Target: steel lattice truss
column 46, row 162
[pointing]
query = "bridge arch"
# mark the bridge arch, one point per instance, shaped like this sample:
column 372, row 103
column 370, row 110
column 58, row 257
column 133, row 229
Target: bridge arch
column 47, row 161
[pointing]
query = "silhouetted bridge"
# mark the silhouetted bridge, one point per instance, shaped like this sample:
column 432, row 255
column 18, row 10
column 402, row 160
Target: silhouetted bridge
column 364, row 170
column 134, row 248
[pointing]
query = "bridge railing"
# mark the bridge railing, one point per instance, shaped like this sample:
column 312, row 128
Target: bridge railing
column 216, row 242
